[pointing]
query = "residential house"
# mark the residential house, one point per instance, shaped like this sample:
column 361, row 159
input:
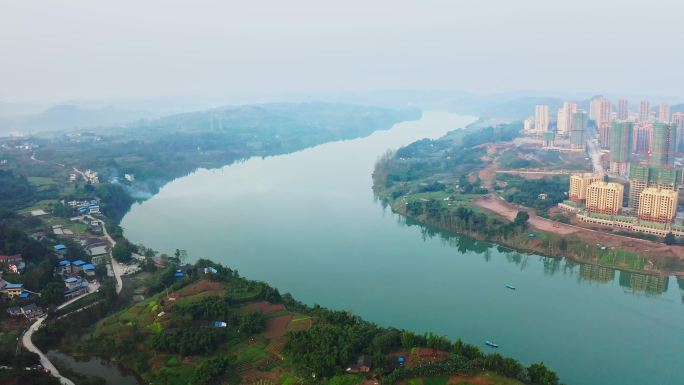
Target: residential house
column 29, row 311
column 72, row 282
column 99, row 254
column 77, row 265
column 60, row 251
column 89, row 269
column 64, row 267
column 12, row 290
column 93, row 209
column 12, row 263
column 74, row 288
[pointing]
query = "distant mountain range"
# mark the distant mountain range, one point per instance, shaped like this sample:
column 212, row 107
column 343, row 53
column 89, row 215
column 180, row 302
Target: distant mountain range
column 68, row 117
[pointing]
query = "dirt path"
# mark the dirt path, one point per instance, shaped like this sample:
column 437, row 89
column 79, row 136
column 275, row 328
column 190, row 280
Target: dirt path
column 497, row 205
column 654, row 250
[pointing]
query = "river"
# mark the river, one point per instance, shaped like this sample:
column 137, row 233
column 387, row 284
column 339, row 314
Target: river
column 308, row 224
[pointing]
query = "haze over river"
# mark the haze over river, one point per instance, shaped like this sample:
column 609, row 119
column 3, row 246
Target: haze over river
column 307, row 223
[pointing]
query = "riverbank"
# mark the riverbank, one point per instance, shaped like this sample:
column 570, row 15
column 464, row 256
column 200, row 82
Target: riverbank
column 536, row 241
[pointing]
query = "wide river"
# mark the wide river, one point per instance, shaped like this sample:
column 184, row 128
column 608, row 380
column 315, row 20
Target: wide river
column 308, row 224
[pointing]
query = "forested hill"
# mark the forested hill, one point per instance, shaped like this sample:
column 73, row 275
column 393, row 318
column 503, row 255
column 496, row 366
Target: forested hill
column 160, row 150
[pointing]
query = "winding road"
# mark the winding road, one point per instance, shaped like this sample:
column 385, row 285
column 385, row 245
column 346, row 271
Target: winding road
column 28, row 335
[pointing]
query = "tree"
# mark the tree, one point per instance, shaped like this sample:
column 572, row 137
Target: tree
column 122, row 250
column 670, row 239
column 521, row 218
column 541, row 375
column 53, row 293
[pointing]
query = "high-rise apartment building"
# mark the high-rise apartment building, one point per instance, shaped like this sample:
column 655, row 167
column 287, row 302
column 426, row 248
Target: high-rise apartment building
column 663, row 145
column 605, row 198
column 602, row 117
column 623, row 109
column 561, row 126
column 541, row 118
column 644, row 111
column 642, row 137
column 528, row 125
column 564, row 123
column 678, row 123
column 657, row 205
column 579, row 183
column 642, row 176
column 664, row 112
column 620, row 146
column 579, row 126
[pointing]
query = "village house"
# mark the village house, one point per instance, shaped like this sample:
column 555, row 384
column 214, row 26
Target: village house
column 64, row 267
column 12, row 290
column 89, row 269
column 74, row 287
column 29, row 311
column 77, row 265
column 60, row 251
column 72, row 282
column 98, row 254
column 12, row 263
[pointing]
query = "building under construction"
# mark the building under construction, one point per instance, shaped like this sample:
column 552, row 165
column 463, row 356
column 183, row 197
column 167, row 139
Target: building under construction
column 620, row 146
column 642, row 177
column 663, row 145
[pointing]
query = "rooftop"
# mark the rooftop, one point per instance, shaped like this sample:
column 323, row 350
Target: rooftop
column 71, row 280
column 60, row 247
column 79, row 262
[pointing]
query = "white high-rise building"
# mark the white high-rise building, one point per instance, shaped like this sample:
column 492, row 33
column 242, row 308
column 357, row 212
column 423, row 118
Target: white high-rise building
column 644, row 111
column 664, row 112
column 565, row 117
column 678, row 123
column 541, row 118
column 528, row 125
column 560, row 121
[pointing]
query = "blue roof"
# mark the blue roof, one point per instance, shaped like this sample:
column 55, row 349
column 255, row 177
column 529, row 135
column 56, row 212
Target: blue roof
column 60, row 247
column 71, row 280
column 24, row 295
column 179, row 275
column 64, row 263
column 79, row 263
column 14, row 286
column 88, row 266
column 213, row 270
column 93, row 206
column 82, row 209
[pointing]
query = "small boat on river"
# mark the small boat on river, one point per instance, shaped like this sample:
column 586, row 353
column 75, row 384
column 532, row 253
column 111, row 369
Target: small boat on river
column 510, row 287
column 492, row 344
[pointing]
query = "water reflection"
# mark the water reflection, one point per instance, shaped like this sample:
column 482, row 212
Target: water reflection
column 646, row 283
column 595, row 273
column 636, row 282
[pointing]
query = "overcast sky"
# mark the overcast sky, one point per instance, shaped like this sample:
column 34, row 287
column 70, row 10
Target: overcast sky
column 85, row 49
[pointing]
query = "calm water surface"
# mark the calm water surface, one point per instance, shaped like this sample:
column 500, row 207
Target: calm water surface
column 94, row 367
column 308, row 224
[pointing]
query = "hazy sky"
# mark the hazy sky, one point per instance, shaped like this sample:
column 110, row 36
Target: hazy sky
column 86, row 49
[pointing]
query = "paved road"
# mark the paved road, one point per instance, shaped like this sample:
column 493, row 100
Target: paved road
column 28, row 344
column 26, row 338
column 116, row 266
column 595, row 154
column 28, row 335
